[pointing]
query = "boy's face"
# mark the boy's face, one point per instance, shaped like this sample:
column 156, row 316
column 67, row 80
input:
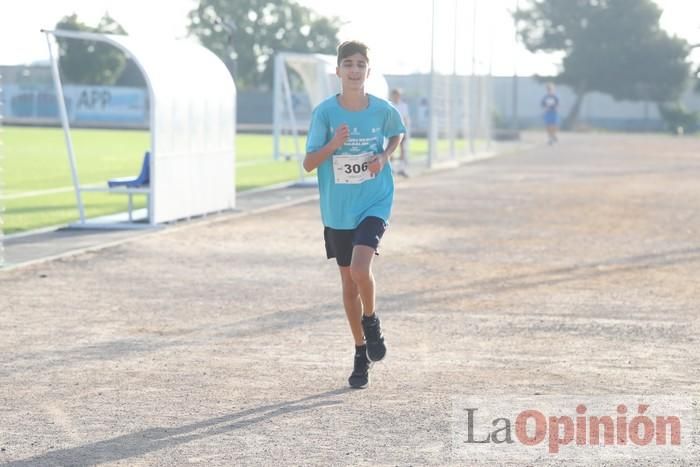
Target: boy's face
column 353, row 71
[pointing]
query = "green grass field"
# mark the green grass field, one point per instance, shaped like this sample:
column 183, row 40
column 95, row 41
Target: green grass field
column 38, row 189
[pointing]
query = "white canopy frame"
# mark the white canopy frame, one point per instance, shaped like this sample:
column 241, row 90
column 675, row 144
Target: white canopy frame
column 192, row 100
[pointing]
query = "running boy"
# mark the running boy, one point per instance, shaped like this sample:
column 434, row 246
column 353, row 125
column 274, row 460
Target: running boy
column 351, row 138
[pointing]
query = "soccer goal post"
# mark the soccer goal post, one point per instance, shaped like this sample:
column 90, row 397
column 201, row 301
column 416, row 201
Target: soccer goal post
column 459, row 91
column 301, row 82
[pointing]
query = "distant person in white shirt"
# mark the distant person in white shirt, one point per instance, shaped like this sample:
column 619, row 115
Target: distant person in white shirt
column 402, row 107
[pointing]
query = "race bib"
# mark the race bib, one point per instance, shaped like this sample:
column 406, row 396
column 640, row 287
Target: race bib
column 352, row 169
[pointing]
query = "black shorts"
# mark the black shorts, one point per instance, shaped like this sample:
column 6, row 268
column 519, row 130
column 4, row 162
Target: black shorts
column 339, row 243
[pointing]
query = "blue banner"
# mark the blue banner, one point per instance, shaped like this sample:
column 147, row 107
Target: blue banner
column 89, row 105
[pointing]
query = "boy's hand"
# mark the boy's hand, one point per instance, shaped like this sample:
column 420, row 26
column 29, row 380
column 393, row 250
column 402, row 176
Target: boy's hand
column 376, row 164
column 341, row 135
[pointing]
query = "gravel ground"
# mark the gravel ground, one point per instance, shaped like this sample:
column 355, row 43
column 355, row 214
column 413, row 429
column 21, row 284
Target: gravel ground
column 564, row 270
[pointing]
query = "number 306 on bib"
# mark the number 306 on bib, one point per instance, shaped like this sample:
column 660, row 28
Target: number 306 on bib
column 349, row 169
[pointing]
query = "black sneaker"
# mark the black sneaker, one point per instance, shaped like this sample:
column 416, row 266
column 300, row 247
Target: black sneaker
column 359, row 379
column 373, row 336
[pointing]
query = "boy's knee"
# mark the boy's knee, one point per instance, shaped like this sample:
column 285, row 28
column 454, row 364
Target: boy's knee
column 360, row 274
column 349, row 287
column 351, row 294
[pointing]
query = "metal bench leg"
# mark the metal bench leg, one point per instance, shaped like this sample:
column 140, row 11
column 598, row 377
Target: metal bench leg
column 131, row 219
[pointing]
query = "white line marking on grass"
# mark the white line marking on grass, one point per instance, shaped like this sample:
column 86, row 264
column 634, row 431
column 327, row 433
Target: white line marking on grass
column 67, row 189
column 261, row 162
column 52, row 191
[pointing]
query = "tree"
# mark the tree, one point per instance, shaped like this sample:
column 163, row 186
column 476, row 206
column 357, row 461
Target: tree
column 131, row 76
column 246, row 34
column 611, row 46
column 90, row 62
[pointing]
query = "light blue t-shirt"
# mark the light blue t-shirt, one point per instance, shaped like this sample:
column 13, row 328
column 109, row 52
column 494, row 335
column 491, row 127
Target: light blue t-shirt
column 345, row 205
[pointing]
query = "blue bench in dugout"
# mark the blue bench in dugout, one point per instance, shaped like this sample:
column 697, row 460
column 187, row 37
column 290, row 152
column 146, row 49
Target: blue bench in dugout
column 142, row 180
column 131, row 186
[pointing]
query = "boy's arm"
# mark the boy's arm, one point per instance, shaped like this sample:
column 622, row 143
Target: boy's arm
column 316, row 158
column 380, row 161
column 394, row 142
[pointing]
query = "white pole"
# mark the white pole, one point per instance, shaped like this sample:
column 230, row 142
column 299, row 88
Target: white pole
column 150, row 199
column 453, row 88
column 276, row 106
column 515, row 124
column 488, row 117
column 64, row 122
column 432, row 143
column 474, row 114
column 292, row 120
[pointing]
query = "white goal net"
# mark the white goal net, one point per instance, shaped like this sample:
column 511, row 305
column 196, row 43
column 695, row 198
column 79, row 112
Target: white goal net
column 301, row 82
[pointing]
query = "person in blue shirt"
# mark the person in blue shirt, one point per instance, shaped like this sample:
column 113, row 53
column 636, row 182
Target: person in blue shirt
column 550, row 104
column 350, row 141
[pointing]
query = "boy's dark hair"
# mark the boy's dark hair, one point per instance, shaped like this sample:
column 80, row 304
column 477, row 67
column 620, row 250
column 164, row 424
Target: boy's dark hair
column 349, row 48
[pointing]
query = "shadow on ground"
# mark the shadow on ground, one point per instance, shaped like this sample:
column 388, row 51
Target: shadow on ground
column 153, row 439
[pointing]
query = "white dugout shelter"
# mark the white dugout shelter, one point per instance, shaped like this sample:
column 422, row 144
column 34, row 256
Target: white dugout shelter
column 192, row 100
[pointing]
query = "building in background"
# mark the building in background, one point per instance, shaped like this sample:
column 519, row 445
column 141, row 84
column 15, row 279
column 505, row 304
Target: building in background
column 29, row 99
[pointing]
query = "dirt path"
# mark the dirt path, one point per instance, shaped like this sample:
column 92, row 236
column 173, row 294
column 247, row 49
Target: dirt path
column 565, row 270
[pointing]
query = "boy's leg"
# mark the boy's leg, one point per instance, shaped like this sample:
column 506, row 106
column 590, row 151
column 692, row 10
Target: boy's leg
column 359, row 378
column 361, row 271
column 361, row 274
column 339, row 246
column 352, row 304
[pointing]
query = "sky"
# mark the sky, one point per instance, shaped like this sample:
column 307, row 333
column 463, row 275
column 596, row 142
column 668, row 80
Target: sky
column 398, row 31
